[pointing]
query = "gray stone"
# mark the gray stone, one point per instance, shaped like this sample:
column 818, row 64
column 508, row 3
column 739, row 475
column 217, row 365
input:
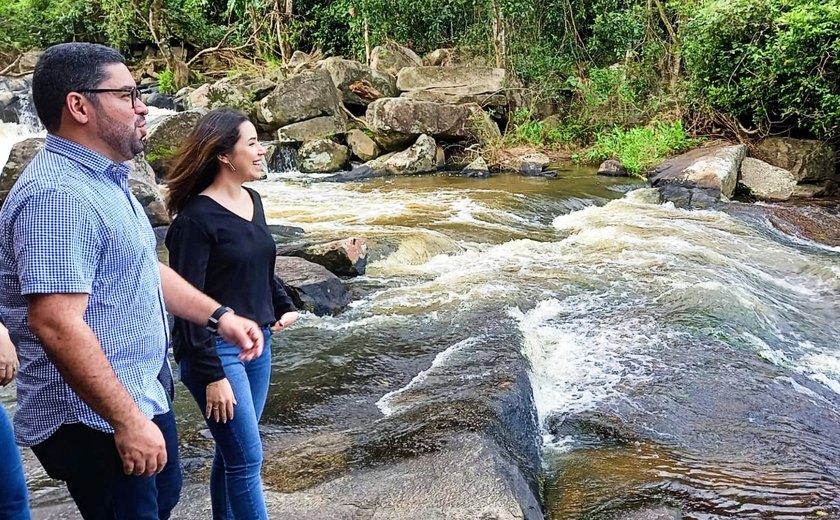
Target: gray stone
column 144, row 186
column 298, row 58
column 305, row 96
column 529, row 164
column 419, row 158
column 766, row 182
column 314, row 288
column 167, row 134
column 715, row 167
column 477, row 168
column 807, row 160
column 362, row 146
column 408, row 117
column 438, row 57
column 7, row 98
column 20, row 156
column 347, row 257
column 322, row 156
column 809, row 191
column 196, row 98
column 392, row 57
column 312, row 129
column 454, row 98
column 652, row 513
column 612, row 168
column 460, row 80
column 358, row 84
column 28, row 60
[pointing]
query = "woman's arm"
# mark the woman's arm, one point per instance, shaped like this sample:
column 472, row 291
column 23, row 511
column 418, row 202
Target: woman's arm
column 8, row 357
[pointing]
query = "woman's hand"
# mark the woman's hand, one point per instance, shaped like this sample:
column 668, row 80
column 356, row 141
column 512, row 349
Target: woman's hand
column 220, row 401
column 285, row 321
column 8, row 358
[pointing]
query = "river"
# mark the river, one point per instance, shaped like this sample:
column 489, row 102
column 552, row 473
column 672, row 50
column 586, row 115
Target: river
column 680, row 358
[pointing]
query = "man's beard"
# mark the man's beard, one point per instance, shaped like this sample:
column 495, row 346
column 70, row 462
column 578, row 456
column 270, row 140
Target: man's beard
column 120, row 138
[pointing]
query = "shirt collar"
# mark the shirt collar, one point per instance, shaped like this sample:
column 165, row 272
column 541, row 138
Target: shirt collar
column 88, row 158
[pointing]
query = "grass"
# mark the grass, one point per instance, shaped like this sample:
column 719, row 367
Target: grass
column 639, row 148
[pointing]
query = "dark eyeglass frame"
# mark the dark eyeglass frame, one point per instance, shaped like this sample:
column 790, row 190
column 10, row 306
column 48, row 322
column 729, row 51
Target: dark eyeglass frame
column 134, row 91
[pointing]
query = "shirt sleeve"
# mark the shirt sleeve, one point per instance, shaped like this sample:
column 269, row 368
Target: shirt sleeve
column 281, row 298
column 57, row 244
column 189, row 254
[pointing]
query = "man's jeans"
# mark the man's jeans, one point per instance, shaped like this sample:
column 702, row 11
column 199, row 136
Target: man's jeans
column 14, row 503
column 235, row 484
column 88, row 461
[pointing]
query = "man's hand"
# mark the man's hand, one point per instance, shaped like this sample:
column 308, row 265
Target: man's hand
column 8, row 358
column 141, row 447
column 243, row 333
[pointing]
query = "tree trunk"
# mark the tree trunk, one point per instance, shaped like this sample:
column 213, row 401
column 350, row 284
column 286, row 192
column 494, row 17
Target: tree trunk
column 499, row 37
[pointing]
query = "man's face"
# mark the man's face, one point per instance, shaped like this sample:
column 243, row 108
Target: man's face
column 119, row 125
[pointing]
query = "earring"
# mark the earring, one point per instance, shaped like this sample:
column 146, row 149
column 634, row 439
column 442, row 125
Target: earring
column 231, row 166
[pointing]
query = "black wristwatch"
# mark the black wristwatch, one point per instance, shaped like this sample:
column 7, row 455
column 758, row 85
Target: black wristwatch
column 213, row 320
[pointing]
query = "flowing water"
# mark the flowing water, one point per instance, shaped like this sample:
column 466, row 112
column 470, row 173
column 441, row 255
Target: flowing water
column 685, row 358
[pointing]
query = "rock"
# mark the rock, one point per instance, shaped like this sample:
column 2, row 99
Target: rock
column 156, row 99
column 392, row 141
column 477, row 168
column 440, row 158
column 196, row 98
column 346, row 257
column 391, row 58
column 298, row 58
column 652, row 513
column 314, row 288
column 460, row 80
column 766, row 182
column 281, row 157
column 143, row 185
column 7, row 98
column 167, row 134
column 312, row 129
column 612, row 168
column 807, row 160
column 407, row 117
column 809, row 191
column 419, row 158
column 346, row 73
column 437, row 96
column 28, row 60
column 322, row 156
column 362, row 146
column 438, row 58
column 530, row 164
column 20, row 156
column 715, row 167
column 308, row 95
column 689, row 197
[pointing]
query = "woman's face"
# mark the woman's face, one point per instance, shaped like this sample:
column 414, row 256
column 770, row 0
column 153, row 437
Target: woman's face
column 248, row 153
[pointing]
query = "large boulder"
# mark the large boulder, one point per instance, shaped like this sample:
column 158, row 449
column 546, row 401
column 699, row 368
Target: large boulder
column 408, row 117
column 240, row 92
column 713, row 169
column 766, row 182
column 347, row 257
column 314, row 288
column 312, row 129
column 19, row 157
column 528, row 164
column 482, row 85
column 359, row 84
column 322, row 156
column 141, row 181
column 167, row 134
column 391, row 58
column 308, row 95
column 419, row 158
column 362, row 146
column 807, row 160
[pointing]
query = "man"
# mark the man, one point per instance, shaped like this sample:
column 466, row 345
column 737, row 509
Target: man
column 85, row 297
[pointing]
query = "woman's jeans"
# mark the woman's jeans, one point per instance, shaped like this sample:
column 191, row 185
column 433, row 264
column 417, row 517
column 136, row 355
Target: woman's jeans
column 235, row 483
column 14, row 504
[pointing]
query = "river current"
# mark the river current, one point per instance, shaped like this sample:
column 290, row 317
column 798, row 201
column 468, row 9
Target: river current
column 682, row 358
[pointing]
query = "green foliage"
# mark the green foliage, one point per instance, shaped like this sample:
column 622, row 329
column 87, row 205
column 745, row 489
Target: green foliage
column 767, row 62
column 525, row 130
column 641, row 147
column 166, row 82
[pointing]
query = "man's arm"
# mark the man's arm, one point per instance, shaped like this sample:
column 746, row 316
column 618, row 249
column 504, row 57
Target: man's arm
column 187, row 302
column 58, row 322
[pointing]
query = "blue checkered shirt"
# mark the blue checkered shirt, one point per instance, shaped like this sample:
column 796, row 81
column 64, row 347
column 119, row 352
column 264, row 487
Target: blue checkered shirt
column 71, row 225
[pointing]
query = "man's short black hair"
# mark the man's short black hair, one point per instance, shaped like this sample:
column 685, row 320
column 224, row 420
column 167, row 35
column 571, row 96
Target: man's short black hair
column 65, row 68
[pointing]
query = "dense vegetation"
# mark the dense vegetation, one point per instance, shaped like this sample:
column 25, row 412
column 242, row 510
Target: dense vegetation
column 737, row 67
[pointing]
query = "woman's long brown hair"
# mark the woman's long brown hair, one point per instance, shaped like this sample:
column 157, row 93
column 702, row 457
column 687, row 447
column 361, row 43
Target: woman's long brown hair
column 195, row 166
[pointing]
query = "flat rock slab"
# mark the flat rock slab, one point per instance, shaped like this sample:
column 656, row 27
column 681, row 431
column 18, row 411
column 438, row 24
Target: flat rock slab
column 710, row 168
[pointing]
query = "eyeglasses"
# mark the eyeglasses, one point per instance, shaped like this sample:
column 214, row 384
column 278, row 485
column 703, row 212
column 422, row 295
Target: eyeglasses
column 131, row 91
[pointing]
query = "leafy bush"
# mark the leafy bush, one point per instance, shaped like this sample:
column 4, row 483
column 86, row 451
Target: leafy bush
column 769, row 63
column 166, row 82
column 640, row 148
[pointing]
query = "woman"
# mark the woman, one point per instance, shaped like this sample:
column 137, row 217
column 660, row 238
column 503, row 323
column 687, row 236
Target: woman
column 14, row 501
column 220, row 243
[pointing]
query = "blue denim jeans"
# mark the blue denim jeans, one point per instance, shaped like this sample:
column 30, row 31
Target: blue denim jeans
column 14, row 501
column 88, row 461
column 235, row 483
